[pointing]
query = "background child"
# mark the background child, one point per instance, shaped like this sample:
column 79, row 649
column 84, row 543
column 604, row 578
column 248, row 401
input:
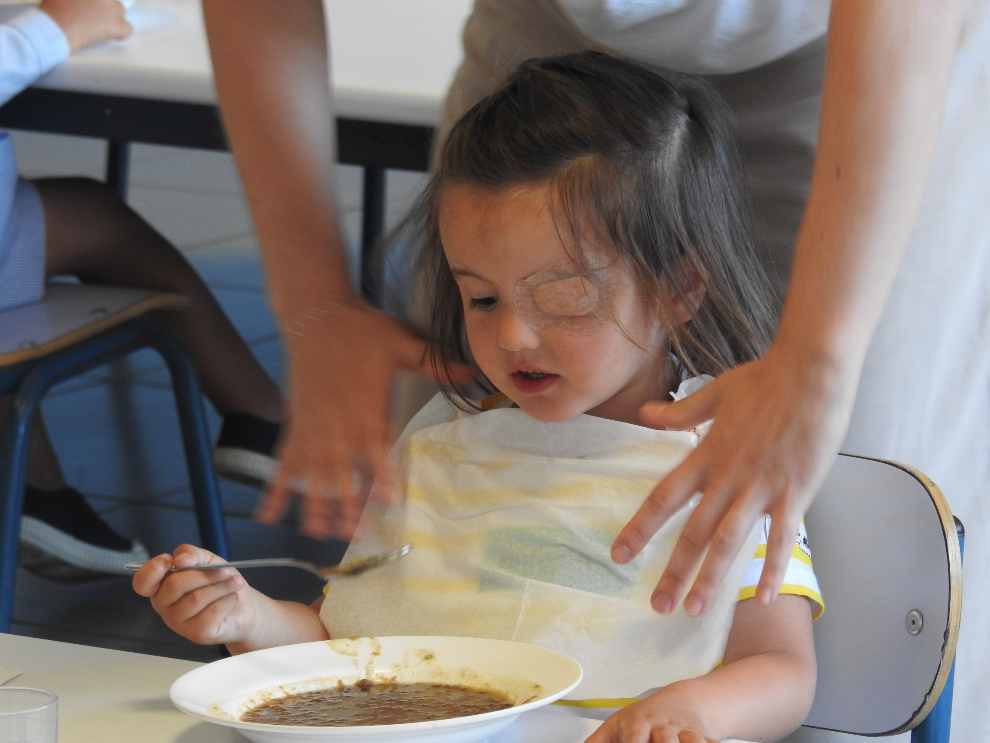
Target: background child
column 587, row 248
column 80, row 227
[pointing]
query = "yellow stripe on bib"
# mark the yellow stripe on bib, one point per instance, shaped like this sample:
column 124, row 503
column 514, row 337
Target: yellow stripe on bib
column 440, row 585
column 596, row 703
column 422, row 540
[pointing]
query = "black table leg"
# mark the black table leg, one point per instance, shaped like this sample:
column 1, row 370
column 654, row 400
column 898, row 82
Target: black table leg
column 372, row 226
column 118, row 165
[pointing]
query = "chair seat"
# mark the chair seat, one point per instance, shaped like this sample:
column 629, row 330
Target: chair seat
column 70, row 313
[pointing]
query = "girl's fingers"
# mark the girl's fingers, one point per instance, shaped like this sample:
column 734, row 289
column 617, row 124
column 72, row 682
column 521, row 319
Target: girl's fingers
column 205, row 627
column 662, row 735
column 666, row 498
column 189, row 555
column 177, row 586
column 148, row 579
column 192, row 603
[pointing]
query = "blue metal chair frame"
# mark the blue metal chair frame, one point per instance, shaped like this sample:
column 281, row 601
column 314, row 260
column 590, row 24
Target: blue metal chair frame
column 31, row 380
column 935, row 728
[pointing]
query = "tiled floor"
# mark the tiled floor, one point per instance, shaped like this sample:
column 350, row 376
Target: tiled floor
column 115, row 430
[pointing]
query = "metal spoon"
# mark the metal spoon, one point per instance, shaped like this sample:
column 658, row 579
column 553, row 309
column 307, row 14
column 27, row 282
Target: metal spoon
column 348, row 569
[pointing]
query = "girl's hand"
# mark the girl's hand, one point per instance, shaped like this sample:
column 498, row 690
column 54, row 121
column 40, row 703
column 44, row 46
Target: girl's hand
column 340, row 387
column 209, row 607
column 88, row 22
column 778, row 424
column 650, row 721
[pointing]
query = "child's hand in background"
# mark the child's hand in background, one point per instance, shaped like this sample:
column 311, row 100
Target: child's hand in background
column 88, row 22
column 208, row 607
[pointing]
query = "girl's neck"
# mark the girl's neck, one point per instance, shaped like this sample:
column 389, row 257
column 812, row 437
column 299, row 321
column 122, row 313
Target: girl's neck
column 656, row 383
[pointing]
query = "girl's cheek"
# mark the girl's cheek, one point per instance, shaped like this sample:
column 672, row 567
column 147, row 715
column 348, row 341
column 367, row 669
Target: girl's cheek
column 481, row 342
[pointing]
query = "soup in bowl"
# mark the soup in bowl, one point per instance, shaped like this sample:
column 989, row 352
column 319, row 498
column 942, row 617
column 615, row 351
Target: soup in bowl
column 430, row 689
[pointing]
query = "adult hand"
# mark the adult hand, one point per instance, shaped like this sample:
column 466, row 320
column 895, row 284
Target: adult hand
column 778, row 423
column 340, row 386
column 88, row 22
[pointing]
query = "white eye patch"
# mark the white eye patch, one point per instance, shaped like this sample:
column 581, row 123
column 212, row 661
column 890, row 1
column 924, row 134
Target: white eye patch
column 562, row 298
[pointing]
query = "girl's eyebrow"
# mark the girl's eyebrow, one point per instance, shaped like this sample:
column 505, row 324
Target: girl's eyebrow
column 458, row 272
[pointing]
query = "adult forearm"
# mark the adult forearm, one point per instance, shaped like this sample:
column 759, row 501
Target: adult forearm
column 887, row 76
column 271, row 68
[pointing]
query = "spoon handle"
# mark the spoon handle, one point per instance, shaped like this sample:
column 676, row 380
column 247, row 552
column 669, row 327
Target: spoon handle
column 262, row 563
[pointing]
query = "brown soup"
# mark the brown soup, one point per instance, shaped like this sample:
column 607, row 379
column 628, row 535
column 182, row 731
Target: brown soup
column 368, row 703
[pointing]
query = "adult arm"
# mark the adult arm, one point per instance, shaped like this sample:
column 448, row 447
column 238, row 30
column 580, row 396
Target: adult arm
column 271, row 68
column 779, row 421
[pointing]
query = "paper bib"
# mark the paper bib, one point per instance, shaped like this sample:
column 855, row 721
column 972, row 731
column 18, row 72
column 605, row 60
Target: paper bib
column 512, row 520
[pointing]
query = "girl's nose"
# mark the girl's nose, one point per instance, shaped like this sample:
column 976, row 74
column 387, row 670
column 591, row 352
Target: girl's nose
column 514, row 334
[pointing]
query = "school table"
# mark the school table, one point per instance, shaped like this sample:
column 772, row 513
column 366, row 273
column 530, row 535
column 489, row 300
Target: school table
column 392, row 61
column 109, row 696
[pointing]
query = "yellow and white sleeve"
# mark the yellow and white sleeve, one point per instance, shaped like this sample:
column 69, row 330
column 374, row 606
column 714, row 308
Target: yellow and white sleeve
column 799, row 579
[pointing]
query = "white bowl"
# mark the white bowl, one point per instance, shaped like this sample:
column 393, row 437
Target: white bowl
column 222, row 691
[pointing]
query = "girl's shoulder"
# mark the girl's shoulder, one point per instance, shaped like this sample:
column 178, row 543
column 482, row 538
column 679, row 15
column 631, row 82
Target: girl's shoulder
column 437, row 411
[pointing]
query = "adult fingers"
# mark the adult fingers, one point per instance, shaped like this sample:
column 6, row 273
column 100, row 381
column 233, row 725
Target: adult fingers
column 784, row 527
column 665, row 499
column 271, row 507
column 724, row 532
column 413, row 354
column 684, row 414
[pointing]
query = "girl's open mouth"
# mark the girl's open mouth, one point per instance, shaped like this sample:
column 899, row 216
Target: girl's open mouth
column 533, row 382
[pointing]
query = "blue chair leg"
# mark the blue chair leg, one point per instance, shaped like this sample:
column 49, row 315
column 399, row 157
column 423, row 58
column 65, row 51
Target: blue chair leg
column 935, row 727
column 32, row 381
column 13, row 469
column 195, row 438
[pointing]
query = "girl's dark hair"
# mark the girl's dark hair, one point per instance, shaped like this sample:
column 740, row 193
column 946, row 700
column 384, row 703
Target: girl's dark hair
column 644, row 162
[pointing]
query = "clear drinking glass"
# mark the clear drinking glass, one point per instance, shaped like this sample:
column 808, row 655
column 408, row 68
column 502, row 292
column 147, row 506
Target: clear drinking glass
column 28, row 715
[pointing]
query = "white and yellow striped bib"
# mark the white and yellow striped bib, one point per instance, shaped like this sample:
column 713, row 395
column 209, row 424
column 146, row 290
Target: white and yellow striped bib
column 512, row 521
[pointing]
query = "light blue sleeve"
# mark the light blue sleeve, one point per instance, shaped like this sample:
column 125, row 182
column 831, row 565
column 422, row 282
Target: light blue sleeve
column 31, row 44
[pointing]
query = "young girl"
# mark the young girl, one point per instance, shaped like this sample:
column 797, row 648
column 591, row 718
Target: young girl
column 587, row 248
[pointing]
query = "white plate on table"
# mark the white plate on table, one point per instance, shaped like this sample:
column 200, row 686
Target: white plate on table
column 222, row 691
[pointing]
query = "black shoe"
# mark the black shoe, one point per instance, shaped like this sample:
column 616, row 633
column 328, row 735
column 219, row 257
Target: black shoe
column 63, row 539
column 245, row 450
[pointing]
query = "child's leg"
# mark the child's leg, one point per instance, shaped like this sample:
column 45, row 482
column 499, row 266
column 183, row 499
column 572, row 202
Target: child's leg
column 93, row 234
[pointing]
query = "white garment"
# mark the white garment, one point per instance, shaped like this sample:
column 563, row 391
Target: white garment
column 512, row 520
column 30, row 45
column 701, row 36
column 924, row 394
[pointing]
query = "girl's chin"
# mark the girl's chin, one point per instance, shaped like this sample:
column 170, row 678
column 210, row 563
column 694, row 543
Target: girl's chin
column 548, row 411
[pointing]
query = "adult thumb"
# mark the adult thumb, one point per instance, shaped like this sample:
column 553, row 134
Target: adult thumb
column 681, row 415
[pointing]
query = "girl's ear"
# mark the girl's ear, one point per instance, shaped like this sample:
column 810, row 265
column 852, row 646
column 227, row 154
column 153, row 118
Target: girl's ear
column 690, row 291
